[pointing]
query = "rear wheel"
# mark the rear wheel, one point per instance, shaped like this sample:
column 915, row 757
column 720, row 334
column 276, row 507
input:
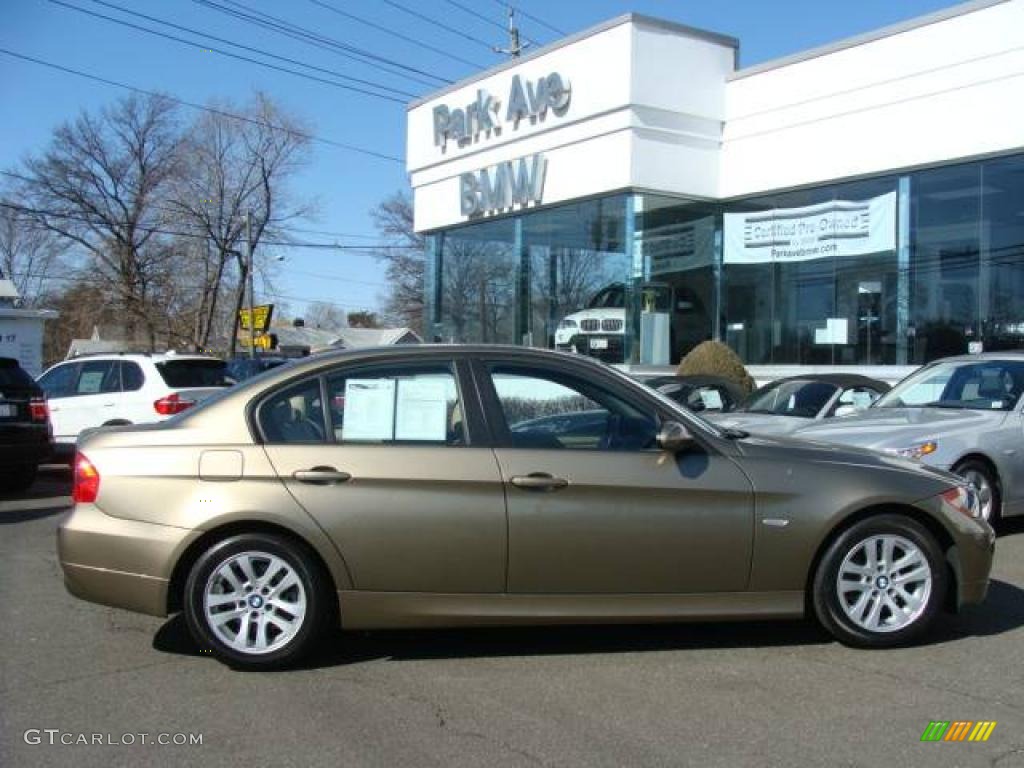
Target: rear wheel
column 257, row 601
column 985, row 482
column 881, row 583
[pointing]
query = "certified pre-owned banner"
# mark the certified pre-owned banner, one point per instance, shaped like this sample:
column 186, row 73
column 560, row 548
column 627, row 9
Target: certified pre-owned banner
column 835, row 228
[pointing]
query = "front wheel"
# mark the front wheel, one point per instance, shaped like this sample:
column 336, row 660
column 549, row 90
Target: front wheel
column 978, row 474
column 881, row 583
column 257, row 601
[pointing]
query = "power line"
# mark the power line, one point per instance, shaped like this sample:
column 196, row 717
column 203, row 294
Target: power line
column 260, row 51
column 530, row 16
column 200, row 46
column 393, row 33
column 439, row 24
column 466, row 9
column 203, row 108
column 332, row 45
column 370, row 248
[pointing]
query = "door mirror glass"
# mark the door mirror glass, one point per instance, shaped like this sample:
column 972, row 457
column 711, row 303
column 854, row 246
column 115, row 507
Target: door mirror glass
column 674, row 437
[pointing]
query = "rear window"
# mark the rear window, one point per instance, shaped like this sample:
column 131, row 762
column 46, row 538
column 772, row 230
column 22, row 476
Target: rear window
column 182, row 374
column 11, row 375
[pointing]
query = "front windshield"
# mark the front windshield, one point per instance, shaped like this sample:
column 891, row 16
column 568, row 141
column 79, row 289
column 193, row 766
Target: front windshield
column 612, row 297
column 800, row 398
column 986, row 385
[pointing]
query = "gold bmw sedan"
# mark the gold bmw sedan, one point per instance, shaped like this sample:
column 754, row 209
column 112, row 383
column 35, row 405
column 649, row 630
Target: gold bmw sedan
column 481, row 485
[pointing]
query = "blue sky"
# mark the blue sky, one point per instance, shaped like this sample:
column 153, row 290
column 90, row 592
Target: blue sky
column 346, row 185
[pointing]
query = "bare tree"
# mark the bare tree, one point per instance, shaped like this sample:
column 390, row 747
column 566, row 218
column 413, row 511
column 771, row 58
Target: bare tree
column 235, row 166
column 363, row 319
column 321, row 314
column 29, row 254
column 98, row 185
column 404, row 259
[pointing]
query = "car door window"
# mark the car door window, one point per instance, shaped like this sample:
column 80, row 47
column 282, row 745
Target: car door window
column 409, row 405
column 131, row 376
column 548, row 410
column 59, row 381
column 98, row 377
column 294, row 414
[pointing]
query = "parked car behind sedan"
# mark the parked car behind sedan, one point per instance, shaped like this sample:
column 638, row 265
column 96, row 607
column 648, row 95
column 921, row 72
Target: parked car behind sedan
column 700, row 394
column 431, row 486
column 25, row 436
column 786, row 405
column 244, row 367
column 120, row 389
column 963, row 414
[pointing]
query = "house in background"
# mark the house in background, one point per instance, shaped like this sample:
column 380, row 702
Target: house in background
column 298, row 340
column 21, row 330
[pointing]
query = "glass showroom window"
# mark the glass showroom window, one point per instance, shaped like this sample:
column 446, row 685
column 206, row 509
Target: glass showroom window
column 810, row 277
column 1002, row 264
column 475, row 292
column 945, row 261
column 575, row 273
column 677, row 295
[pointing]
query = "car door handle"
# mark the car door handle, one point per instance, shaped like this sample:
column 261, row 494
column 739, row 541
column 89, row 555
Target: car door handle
column 539, row 481
column 321, row 476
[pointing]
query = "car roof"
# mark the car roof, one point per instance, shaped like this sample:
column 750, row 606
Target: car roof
column 157, row 357
column 1016, row 355
column 839, row 379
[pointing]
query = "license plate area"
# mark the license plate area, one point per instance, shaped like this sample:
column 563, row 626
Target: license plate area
column 599, row 343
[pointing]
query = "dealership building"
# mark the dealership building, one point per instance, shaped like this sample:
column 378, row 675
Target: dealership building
column 630, row 191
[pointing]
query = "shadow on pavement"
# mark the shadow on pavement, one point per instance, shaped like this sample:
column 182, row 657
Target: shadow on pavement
column 1003, row 611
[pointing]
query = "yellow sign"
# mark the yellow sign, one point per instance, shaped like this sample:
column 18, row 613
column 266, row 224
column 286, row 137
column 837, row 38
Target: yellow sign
column 261, row 341
column 262, row 313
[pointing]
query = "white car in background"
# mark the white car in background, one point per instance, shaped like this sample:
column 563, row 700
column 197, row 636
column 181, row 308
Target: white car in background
column 598, row 330
column 119, row 389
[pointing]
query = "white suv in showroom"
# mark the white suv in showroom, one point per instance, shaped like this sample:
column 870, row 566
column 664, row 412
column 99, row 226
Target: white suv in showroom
column 118, row 389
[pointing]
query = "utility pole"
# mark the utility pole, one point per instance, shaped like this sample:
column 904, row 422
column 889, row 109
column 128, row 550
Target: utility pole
column 252, row 284
column 514, row 46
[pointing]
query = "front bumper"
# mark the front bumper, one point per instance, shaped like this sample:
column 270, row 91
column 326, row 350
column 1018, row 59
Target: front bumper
column 970, row 557
column 612, row 351
column 117, row 562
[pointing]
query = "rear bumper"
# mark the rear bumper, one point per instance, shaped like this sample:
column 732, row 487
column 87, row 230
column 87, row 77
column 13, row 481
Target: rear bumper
column 117, row 562
column 24, row 453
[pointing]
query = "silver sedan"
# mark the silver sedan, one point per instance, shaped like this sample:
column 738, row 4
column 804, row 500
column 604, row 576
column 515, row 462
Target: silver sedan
column 961, row 413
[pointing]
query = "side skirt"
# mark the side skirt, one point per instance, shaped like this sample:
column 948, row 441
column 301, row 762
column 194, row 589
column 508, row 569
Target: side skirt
column 396, row 610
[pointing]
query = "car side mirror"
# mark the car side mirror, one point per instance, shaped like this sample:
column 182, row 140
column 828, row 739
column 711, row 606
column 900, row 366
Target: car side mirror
column 674, row 437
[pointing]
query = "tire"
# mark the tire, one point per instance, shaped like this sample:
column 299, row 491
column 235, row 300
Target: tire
column 19, row 478
column 887, row 608
column 986, row 482
column 288, row 623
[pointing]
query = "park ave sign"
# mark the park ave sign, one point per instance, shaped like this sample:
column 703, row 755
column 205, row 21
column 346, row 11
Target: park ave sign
column 526, row 99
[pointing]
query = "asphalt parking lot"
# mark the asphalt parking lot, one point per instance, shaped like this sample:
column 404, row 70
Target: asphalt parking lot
column 701, row 694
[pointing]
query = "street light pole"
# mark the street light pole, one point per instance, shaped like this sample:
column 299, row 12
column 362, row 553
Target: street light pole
column 249, row 266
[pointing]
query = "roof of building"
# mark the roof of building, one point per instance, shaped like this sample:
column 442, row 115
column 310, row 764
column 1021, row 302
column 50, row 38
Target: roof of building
column 342, row 338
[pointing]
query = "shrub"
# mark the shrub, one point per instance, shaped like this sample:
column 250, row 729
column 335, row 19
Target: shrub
column 713, row 358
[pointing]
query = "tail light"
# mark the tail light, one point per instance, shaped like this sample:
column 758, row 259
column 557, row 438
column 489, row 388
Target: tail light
column 38, row 409
column 87, row 481
column 172, row 404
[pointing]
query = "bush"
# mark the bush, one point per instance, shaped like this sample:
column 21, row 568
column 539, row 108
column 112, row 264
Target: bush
column 713, row 358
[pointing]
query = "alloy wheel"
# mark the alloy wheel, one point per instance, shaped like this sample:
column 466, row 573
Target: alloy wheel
column 254, row 602
column 983, row 487
column 884, row 583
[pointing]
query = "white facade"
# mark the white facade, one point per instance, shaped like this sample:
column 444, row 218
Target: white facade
column 660, row 107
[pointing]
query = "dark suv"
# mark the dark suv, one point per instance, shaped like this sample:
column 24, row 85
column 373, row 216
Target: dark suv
column 25, row 435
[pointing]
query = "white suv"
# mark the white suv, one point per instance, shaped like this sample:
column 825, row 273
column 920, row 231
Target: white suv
column 118, row 389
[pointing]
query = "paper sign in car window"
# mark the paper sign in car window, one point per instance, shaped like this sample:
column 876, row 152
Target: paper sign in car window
column 421, row 412
column 712, row 399
column 369, row 409
column 89, row 382
column 861, row 399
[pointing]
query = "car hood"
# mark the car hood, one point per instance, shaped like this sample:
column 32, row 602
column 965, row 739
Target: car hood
column 759, row 423
column 598, row 314
column 798, row 449
column 894, row 428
